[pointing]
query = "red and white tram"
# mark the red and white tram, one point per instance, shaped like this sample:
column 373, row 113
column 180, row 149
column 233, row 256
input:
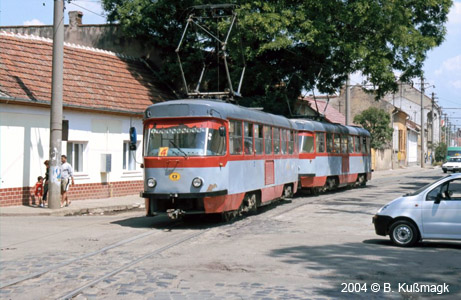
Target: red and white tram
column 332, row 155
column 204, row 156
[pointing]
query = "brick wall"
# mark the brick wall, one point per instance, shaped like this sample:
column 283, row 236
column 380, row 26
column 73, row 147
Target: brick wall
column 25, row 195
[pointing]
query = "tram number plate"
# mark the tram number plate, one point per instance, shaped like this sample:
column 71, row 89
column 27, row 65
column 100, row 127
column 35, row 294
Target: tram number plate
column 175, row 176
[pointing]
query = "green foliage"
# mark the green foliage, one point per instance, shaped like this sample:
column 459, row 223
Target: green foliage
column 441, row 152
column 291, row 46
column 377, row 122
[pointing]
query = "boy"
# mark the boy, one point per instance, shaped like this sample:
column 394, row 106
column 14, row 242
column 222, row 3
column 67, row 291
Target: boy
column 39, row 190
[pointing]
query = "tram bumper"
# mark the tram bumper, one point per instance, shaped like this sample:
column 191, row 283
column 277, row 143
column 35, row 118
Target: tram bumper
column 178, row 204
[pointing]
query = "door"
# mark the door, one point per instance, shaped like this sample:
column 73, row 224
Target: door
column 443, row 219
column 269, row 176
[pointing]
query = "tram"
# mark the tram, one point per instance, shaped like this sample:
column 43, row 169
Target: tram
column 332, row 155
column 209, row 156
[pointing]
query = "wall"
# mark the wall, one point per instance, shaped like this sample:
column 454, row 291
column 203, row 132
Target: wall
column 381, row 159
column 106, row 36
column 24, row 146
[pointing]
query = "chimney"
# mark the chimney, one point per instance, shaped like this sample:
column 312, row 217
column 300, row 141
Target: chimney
column 75, row 19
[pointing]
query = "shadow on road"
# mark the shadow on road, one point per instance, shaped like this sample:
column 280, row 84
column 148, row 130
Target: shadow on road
column 378, row 261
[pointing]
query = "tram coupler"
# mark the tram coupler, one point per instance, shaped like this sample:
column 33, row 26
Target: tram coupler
column 175, row 214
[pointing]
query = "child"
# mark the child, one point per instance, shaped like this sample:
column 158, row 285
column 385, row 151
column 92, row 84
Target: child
column 39, row 190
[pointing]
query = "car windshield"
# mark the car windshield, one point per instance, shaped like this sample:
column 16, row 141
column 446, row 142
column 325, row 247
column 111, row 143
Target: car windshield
column 184, row 141
column 418, row 191
column 454, row 159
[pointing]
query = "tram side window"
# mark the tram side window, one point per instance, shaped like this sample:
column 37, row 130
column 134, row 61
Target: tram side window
column 284, row 141
column 357, row 144
column 350, row 144
column 248, row 141
column 343, row 143
column 320, row 142
column 337, row 143
column 329, row 142
column 268, row 140
column 258, row 134
column 306, row 144
column 364, row 145
column 235, row 137
column 291, row 142
column 276, row 140
column 368, row 145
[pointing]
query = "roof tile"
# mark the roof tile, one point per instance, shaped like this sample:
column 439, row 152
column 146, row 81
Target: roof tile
column 93, row 78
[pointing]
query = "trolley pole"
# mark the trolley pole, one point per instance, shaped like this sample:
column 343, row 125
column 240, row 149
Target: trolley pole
column 422, row 122
column 54, row 185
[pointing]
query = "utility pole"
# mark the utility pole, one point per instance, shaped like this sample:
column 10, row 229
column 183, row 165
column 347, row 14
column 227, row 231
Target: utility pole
column 432, row 125
column 348, row 107
column 446, row 130
column 422, row 122
column 54, row 186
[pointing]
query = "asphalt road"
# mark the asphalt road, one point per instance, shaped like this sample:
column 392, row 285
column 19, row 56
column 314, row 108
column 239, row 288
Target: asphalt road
column 310, row 247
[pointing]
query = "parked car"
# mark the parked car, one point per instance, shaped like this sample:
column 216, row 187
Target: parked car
column 431, row 212
column 453, row 164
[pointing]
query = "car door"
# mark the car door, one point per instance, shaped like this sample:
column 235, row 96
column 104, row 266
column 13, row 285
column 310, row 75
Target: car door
column 441, row 213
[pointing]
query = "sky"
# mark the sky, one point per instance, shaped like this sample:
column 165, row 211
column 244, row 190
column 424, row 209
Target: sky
column 442, row 68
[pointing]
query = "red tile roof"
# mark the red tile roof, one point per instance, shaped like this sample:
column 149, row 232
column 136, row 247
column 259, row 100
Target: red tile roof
column 331, row 114
column 93, row 79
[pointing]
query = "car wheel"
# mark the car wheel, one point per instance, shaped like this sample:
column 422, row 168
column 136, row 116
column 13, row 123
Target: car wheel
column 444, row 170
column 404, row 233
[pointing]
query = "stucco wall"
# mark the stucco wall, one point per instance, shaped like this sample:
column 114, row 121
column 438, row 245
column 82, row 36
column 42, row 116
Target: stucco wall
column 24, row 146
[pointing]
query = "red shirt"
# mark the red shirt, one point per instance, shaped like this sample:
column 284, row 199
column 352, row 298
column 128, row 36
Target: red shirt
column 39, row 189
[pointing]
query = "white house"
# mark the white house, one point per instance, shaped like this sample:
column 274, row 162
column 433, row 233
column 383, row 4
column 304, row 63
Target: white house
column 104, row 95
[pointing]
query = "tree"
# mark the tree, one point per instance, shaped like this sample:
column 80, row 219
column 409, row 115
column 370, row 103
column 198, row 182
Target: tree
column 291, row 46
column 377, row 122
column 441, row 152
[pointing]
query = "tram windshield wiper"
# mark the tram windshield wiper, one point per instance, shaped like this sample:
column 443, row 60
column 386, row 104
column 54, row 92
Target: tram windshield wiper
column 177, row 147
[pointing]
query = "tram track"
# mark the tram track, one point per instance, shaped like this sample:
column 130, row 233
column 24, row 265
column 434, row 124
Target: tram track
column 96, row 266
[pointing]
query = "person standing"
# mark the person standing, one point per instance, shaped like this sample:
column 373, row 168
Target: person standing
column 67, row 177
column 47, row 178
column 39, row 190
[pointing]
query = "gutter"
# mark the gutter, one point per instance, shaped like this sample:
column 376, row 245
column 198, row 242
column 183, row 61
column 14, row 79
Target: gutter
column 43, row 103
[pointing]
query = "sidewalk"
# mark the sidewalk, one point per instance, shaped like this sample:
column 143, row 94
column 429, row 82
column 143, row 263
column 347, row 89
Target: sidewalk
column 78, row 207
column 106, row 205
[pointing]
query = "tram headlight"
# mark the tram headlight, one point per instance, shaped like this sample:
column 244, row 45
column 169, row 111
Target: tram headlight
column 151, row 182
column 197, row 182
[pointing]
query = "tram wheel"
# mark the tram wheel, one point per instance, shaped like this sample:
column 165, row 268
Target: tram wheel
column 228, row 216
column 287, row 192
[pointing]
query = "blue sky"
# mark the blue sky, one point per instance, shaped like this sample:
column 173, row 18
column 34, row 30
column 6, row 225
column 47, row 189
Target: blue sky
column 442, row 68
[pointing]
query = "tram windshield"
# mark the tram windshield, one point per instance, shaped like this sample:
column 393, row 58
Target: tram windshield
column 184, row 141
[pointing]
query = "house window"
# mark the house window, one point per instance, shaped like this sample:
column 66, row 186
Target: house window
column 129, row 160
column 75, row 155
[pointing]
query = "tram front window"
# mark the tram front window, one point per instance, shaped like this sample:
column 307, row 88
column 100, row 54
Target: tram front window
column 184, row 141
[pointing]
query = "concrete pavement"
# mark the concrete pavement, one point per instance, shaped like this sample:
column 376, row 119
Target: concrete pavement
column 106, row 205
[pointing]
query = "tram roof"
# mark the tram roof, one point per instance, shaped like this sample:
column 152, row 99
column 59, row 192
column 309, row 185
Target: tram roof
column 310, row 125
column 216, row 109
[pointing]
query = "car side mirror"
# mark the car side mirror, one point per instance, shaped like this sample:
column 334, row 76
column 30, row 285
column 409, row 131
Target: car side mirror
column 222, row 131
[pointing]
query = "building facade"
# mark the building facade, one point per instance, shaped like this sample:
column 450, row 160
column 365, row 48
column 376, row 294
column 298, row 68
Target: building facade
column 105, row 94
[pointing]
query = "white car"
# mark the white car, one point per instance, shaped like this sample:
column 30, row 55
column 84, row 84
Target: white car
column 432, row 212
column 453, row 164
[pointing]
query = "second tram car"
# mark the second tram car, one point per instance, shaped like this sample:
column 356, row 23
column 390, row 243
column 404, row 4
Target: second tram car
column 332, row 155
column 205, row 156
